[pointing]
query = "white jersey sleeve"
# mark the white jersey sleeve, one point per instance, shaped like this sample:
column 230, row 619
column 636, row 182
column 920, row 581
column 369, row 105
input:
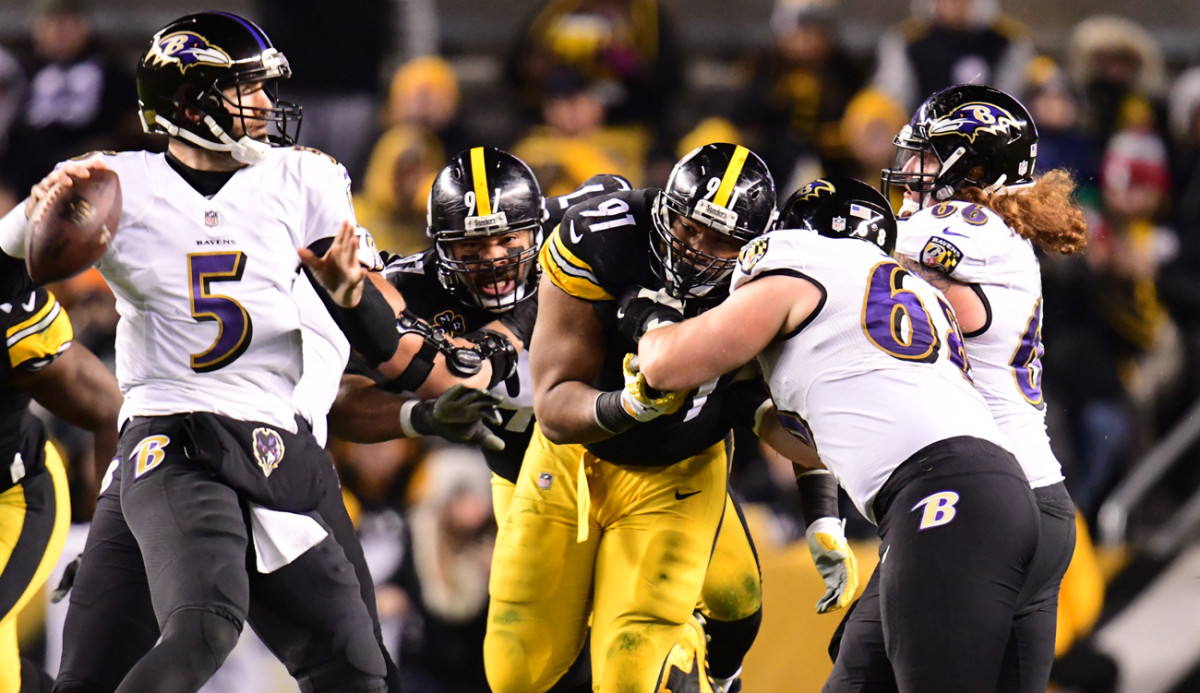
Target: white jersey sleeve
column 972, row 244
column 327, row 202
column 967, row 242
column 877, row 372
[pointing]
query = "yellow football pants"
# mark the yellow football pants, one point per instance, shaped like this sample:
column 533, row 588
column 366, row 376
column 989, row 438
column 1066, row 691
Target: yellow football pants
column 34, row 516
column 733, row 584
column 630, row 545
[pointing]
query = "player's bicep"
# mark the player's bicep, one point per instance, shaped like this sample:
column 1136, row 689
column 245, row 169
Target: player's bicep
column 772, row 432
column 567, row 344
column 75, row 387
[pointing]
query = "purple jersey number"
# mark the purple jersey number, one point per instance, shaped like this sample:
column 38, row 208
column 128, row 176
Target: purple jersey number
column 234, row 326
column 895, row 319
column 954, row 339
column 1026, row 360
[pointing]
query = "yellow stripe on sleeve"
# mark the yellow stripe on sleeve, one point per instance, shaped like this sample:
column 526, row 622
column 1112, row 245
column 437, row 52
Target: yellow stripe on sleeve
column 736, row 162
column 46, row 335
column 483, row 202
column 568, row 272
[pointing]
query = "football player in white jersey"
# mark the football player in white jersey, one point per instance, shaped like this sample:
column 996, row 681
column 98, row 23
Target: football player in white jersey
column 865, row 361
column 209, row 354
column 973, row 212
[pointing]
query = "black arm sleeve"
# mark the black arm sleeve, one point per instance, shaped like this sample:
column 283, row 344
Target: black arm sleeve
column 14, row 278
column 370, row 326
column 520, row 320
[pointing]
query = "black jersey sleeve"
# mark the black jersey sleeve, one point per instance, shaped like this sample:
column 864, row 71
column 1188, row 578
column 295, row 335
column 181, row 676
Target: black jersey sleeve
column 601, row 247
column 37, row 330
column 597, row 185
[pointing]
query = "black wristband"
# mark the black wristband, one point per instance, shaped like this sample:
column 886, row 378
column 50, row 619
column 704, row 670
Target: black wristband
column 369, row 326
column 818, row 495
column 420, row 417
column 610, row 415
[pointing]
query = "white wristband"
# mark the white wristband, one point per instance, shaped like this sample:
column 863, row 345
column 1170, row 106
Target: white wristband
column 13, row 227
column 406, row 419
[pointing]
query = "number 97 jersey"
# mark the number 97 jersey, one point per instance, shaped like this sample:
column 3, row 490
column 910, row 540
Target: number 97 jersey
column 878, row 370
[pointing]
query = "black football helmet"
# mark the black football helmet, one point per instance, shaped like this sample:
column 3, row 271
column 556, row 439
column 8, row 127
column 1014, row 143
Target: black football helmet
column 841, row 207
column 981, row 136
column 724, row 187
column 483, row 192
column 188, row 65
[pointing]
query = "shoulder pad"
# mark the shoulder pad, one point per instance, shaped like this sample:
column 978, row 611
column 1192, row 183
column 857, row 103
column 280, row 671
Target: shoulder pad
column 600, row 246
column 318, row 152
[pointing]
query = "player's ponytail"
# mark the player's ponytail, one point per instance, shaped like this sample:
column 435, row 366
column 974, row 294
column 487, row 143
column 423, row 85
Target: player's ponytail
column 1046, row 212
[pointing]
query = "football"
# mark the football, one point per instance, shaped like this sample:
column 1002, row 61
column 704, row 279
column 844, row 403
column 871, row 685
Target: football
column 70, row 229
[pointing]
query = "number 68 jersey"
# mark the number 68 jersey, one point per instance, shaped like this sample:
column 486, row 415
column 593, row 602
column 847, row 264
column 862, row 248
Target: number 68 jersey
column 878, row 370
column 972, row 244
column 204, row 285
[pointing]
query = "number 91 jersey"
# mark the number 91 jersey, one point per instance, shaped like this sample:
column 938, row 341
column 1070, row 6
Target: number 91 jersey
column 878, row 370
column 204, row 286
column 599, row 250
column 972, row 244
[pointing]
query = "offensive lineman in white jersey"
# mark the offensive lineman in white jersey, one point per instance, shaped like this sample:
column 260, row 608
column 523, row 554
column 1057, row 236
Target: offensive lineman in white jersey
column 209, row 354
column 973, row 212
column 865, row 362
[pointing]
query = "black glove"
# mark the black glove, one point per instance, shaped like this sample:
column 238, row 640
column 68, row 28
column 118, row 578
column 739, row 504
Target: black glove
column 458, row 415
column 640, row 310
column 497, row 349
column 67, row 582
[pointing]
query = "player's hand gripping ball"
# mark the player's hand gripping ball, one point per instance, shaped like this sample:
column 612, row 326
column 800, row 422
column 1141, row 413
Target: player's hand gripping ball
column 71, row 227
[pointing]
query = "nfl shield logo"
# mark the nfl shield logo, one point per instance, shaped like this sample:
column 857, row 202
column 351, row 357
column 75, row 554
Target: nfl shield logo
column 211, row 219
column 268, row 449
column 544, row 480
column 839, row 224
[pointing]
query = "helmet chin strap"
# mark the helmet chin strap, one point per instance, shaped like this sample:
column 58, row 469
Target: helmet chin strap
column 245, row 150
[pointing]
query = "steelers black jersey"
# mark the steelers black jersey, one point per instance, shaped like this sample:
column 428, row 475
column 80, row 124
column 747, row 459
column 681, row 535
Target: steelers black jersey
column 416, row 278
column 36, row 331
column 602, row 248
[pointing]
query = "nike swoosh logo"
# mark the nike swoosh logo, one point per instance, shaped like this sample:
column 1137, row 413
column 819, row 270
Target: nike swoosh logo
column 28, row 305
column 575, row 236
column 681, row 496
column 948, row 232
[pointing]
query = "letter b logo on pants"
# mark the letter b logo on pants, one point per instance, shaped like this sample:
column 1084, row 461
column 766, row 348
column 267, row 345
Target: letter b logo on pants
column 939, row 509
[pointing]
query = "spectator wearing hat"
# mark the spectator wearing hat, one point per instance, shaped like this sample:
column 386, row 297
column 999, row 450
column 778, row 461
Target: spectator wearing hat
column 799, row 87
column 79, row 97
column 947, row 42
column 574, row 143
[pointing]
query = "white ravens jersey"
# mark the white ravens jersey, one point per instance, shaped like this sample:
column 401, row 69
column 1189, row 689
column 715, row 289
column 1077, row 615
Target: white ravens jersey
column 877, row 372
column 971, row 244
column 204, row 286
column 326, row 351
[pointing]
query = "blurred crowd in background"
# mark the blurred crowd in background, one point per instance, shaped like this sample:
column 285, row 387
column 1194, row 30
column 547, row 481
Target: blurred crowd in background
column 599, row 86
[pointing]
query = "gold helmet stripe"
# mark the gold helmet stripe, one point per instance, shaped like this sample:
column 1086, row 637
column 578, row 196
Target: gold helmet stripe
column 736, row 162
column 483, row 203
